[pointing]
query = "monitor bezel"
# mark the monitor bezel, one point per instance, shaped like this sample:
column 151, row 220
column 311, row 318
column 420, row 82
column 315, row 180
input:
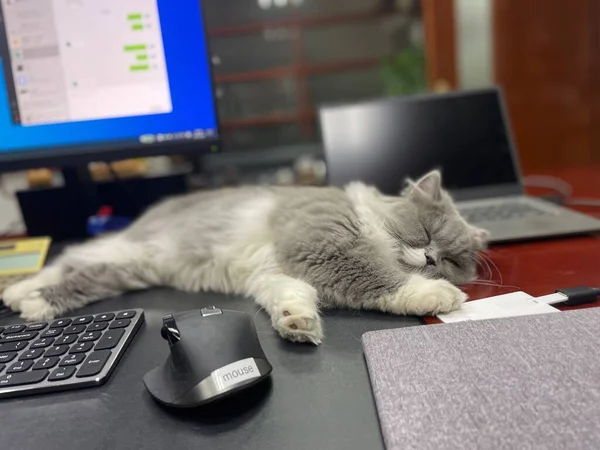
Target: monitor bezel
column 115, row 150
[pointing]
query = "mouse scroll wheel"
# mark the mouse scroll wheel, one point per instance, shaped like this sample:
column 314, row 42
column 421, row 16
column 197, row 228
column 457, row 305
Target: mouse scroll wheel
column 169, row 330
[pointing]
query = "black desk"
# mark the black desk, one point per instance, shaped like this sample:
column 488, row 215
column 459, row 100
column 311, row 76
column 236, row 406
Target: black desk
column 319, row 397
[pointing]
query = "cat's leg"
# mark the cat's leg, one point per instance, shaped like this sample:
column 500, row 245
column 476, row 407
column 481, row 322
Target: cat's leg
column 79, row 288
column 419, row 296
column 360, row 278
column 83, row 273
column 292, row 305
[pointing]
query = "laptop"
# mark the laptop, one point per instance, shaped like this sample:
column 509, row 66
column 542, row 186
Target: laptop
column 467, row 136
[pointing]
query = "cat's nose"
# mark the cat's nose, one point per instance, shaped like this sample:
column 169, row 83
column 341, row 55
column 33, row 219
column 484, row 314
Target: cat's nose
column 429, row 260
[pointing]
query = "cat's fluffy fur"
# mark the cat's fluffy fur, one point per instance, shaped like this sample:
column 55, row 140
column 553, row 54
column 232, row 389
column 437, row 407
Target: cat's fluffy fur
column 294, row 250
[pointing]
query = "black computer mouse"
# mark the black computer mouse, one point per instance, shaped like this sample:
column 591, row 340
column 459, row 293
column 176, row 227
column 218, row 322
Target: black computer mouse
column 214, row 353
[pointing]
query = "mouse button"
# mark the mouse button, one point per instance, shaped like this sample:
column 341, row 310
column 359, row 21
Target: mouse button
column 187, row 316
column 169, row 331
column 210, row 311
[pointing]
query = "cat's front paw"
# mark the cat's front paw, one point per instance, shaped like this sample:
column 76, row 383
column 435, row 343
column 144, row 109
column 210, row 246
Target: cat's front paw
column 299, row 323
column 422, row 296
column 36, row 308
column 16, row 293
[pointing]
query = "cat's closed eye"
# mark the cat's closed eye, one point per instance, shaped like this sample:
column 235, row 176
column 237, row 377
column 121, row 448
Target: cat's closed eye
column 452, row 261
column 428, row 235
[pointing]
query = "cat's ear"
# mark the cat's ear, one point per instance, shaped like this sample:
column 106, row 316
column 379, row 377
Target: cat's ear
column 428, row 186
column 481, row 237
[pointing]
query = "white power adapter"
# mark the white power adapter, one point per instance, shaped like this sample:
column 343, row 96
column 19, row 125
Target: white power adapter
column 520, row 304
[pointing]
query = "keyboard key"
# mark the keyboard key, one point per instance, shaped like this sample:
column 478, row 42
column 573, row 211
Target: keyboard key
column 36, row 326
column 7, row 357
column 75, row 329
column 62, row 373
column 72, row 360
column 60, row 323
column 120, row 323
column 66, row 340
column 42, row 343
column 89, row 337
column 26, row 336
column 82, row 347
column 45, row 363
column 14, row 329
column 57, row 350
column 98, row 326
column 83, row 320
column 52, row 332
column 125, row 315
column 32, row 353
column 17, row 379
column 19, row 366
column 110, row 339
column 504, row 211
column 93, row 364
column 104, row 317
column 2, row 366
column 13, row 346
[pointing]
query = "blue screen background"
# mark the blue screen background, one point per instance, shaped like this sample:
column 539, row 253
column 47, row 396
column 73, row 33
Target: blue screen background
column 189, row 74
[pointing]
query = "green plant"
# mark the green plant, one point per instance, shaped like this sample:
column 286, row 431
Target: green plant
column 404, row 72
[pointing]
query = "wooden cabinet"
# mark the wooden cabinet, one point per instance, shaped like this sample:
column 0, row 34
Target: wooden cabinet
column 547, row 59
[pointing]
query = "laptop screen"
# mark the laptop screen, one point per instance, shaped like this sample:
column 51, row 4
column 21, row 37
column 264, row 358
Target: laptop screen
column 383, row 142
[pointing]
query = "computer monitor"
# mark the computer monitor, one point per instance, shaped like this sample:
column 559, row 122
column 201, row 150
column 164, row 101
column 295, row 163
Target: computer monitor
column 99, row 80
column 466, row 134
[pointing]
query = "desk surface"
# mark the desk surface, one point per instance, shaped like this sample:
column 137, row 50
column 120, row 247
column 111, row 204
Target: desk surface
column 319, row 397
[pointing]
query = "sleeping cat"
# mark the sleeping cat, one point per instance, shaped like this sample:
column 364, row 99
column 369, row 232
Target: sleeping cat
column 294, row 250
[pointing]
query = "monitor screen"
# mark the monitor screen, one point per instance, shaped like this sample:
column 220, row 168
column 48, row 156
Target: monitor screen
column 385, row 141
column 102, row 75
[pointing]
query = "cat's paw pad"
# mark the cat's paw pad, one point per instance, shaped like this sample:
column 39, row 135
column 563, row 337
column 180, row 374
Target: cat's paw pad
column 431, row 297
column 300, row 325
column 15, row 294
column 36, row 308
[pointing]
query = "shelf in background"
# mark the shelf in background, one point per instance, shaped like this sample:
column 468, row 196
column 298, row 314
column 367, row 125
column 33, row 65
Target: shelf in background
column 298, row 70
column 302, row 22
column 270, row 119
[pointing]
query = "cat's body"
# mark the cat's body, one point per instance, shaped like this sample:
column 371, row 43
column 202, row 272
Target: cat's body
column 294, row 250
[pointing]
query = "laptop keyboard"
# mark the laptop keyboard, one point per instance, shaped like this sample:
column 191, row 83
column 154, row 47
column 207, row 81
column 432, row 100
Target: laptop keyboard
column 502, row 211
column 65, row 353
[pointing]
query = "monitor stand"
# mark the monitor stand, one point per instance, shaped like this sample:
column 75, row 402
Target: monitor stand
column 82, row 190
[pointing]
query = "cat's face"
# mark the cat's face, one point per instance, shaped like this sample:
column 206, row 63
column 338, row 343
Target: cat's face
column 434, row 240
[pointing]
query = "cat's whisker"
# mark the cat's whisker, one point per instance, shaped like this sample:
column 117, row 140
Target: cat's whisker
column 490, row 261
column 493, row 284
column 480, row 259
column 483, row 260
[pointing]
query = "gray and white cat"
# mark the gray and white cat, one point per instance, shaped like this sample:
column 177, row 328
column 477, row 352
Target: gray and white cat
column 294, row 250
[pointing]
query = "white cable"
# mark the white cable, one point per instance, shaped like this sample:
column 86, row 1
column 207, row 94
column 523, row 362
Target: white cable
column 560, row 186
column 545, row 181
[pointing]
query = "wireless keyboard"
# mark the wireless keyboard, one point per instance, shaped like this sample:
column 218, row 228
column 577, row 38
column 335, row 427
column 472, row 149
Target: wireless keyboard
column 65, row 354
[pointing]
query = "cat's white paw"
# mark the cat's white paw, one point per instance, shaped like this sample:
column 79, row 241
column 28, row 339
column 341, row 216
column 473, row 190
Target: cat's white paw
column 36, row 308
column 422, row 296
column 16, row 293
column 299, row 323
